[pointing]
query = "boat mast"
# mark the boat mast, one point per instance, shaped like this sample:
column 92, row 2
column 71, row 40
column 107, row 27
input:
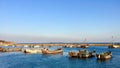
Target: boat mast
column 85, row 41
column 112, row 40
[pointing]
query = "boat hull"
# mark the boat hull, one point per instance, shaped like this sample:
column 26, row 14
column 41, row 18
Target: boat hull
column 81, row 54
column 44, row 51
column 104, row 56
column 32, row 51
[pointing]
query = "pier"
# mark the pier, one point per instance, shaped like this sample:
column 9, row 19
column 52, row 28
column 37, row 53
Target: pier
column 60, row 44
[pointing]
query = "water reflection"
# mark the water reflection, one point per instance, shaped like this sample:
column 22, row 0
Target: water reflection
column 106, row 60
column 74, row 58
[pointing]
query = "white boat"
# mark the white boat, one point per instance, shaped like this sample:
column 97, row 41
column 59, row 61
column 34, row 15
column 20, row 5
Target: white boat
column 46, row 51
column 114, row 46
column 26, row 46
column 32, row 51
column 36, row 46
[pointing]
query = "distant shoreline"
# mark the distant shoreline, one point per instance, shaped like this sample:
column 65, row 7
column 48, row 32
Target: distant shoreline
column 63, row 44
column 72, row 43
column 7, row 43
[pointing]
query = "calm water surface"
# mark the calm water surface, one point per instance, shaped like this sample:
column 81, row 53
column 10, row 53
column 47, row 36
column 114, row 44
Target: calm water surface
column 21, row 60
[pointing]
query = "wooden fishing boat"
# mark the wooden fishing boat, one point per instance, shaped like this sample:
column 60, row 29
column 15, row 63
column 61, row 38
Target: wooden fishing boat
column 13, row 50
column 1, row 49
column 46, row 51
column 73, row 54
column 104, row 56
column 82, row 54
column 32, row 51
column 114, row 46
column 93, row 53
column 10, row 49
column 84, row 46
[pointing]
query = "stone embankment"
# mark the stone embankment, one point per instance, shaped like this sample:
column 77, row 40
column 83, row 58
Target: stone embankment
column 6, row 43
column 62, row 44
column 10, row 49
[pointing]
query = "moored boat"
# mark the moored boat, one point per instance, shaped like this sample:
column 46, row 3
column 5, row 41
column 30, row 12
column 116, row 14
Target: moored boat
column 93, row 53
column 32, row 51
column 37, row 46
column 10, row 49
column 1, row 49
column 82, row 54
column 74, row 54
column 13, row 50
column 114, row 46
column 104, row 56
column 46, row 51
column 84, row 46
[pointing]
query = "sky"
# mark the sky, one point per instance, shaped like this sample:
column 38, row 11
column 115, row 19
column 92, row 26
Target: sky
column 25, row 21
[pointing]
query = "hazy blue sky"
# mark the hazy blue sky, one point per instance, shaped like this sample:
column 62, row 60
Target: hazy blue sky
column 59, row 20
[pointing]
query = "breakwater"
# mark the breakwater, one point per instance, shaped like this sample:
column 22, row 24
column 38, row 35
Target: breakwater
column 60, row 44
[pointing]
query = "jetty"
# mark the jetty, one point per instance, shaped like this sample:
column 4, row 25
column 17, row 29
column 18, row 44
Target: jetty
column 71, row 45
column 63, row 44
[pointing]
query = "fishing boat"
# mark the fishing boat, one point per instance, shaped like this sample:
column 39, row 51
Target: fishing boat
column 72, row 46
column 104, row 56
column 84, row 46
column 32, row 51
column 73, row 54
column 1, row 49
column 92, row 53
column 82, row 54
column 114, row 46
column 10, row 49
column 26, row 46
column 36, row 46
column 46, row 51
column 13, row 49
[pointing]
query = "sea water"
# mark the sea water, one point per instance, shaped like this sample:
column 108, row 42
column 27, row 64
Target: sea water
column 21, row 60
